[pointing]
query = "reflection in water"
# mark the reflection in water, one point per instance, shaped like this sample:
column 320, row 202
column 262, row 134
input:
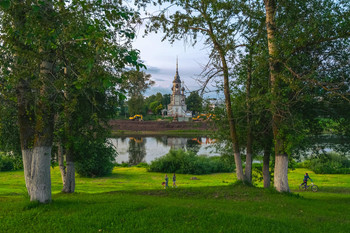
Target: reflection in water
column 194, row 144
column 134, row 150
column 137, row 150
column 177, row 143
column 162, row 139
column 146, row 149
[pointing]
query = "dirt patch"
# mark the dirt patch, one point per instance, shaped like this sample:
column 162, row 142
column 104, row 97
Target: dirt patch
column 158, row 125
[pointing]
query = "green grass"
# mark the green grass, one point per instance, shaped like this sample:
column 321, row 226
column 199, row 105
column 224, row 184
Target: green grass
column 133, row 200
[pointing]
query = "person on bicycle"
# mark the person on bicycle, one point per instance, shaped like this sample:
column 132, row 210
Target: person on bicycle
column 306, row 178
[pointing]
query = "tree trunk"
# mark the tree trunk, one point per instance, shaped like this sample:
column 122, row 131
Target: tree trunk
column 61, row 163
column 69, row 178
column 266, row 166
column 281, row 164
column 25, row 100
column 281, row 173
column 233, row 133
column 25, row 121
column 68, row 171
column 40, row 185
column 36, row 127
column 231, row 120
column 249, row 156
column 69, row 183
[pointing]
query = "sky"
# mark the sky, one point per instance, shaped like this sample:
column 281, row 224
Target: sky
column 160, row 59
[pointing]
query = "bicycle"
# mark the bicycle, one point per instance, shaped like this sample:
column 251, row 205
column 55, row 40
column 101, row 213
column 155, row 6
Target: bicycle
column 313, row 187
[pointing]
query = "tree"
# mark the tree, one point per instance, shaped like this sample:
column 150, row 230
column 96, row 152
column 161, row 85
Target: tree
column 136, row 105
column 136, row 82
column 194, row 102
column 218, row 24
column 166, row 100
column 37, row 44
column 297, row 54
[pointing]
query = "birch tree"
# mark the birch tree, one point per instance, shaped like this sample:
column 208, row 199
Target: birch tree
column 218, row 22
column 303, row 37
column 36, row 45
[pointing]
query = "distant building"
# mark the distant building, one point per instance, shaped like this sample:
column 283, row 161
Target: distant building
column 213, row 103
column 177, row 106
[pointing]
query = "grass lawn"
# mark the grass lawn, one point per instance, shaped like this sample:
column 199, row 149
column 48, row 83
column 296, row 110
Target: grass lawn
column 133, row 200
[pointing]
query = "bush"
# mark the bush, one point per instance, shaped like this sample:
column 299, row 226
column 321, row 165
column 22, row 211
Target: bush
column 329, row 163
column 10, row 162
column 6, row 163
column 182, row 162
column 95, row 159
column 144, row 165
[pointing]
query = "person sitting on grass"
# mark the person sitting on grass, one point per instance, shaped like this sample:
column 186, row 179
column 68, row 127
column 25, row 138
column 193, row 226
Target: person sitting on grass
column 306, row 178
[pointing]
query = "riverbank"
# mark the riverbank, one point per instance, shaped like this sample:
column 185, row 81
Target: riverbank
column 158, row 128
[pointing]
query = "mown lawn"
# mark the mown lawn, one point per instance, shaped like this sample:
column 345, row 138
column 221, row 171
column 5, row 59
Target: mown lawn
column 133, row 200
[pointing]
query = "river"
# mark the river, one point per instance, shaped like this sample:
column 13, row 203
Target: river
column 134, row 150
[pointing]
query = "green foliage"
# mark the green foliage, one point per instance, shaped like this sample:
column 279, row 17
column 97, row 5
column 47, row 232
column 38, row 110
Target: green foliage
column 194, row 102
column 328, row 163
column 136, row 82
column 183, row 162
column 10, row 162
column 156, row 103
column 95, row 159
column 144, row 165
column 136, row 105
column 6, row 163
column 156, row 107
column 9, row 131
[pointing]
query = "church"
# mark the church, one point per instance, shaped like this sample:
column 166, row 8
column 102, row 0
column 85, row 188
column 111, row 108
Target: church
column 177, row 106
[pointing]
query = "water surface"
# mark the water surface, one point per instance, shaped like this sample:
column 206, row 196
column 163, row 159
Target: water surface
column 134, row 150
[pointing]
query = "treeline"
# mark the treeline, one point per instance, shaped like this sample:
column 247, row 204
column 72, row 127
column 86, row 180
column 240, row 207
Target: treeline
column 135, row 85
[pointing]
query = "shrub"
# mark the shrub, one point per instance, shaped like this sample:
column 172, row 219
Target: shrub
column 10, row 162
column 94, row 159
column 328, row 163
column 144, row 165
column 6, row 163
column 182, row 162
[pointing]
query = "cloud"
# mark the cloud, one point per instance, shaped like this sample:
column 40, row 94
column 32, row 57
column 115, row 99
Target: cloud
column 156, row 89
column 152, row 70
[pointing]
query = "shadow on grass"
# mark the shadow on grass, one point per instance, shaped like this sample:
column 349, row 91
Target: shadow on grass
column 236, row 192
column 327, row 189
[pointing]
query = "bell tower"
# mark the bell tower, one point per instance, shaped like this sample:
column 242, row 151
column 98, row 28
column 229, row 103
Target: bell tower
column 177, row 106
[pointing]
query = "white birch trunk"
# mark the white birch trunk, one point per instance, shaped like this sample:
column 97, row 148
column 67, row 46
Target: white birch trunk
column 40, row 183
column 61, row 164
column 239, row 168
column 248, row 167
column 69, row 184
column 281, row 173
column 67, row 172
column 27, row 164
